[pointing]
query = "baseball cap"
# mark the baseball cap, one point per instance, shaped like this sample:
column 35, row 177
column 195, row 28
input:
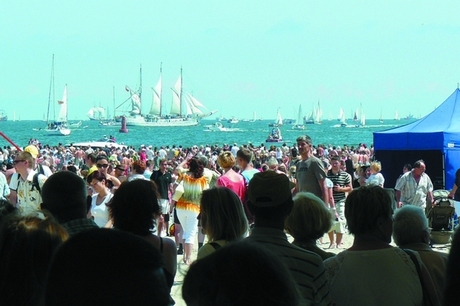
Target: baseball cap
column 32, row 150
column 269, row 189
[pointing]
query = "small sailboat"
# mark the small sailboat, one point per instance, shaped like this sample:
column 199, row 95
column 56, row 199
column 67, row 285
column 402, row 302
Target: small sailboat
column 381, row 118
column 341, row 115
column 279, row 120
column 59, row 126
column 299, row 125
column 343, row 120
column 397, row 116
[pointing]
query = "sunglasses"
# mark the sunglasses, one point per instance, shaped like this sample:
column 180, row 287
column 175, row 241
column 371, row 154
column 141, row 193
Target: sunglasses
column 18, row 161
column 102, row 165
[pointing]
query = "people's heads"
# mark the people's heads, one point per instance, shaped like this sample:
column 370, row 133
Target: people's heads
column 375, row 167
column 269, row 196
column 64, row 196
column 272, row 163
column 309, row 219
column 196, row 167
column 27, row 245
column 23, row 160
column 221, row 214
column 97, row 180
column 304, row 144
column 419, row 167
column 368, row 211
column 226, row 160
column 410, row 225
column 102, row 163
column 251, row 275
column 335, row 163
column 407, row 168
column 6, row 208
column 90, row 159
column 128, row 268
column 134, row 207
column 33, row 150
column 139, row 166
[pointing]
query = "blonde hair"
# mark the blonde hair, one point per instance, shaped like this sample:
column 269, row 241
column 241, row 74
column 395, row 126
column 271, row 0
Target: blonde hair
column 27, row 156
column 226, row 160
column 376, row 166
column 309, row 219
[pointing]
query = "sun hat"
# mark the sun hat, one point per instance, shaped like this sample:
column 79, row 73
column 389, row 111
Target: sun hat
column 269, row 189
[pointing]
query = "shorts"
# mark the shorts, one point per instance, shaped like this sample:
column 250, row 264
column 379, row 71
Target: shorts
column 189, row 224
column 164, row 206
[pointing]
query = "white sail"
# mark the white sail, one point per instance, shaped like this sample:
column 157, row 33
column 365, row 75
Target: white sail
column 396, row 115
column 194, row 101
column 341, row 115
column 192, row 107
column 363, row 120
column 299, row 115
column 62, row 117
column 156, row 104
column 279, row 119
column 318, row 114
column 176, row 98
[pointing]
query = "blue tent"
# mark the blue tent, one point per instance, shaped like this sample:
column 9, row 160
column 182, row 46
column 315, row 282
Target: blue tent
column 434, row 138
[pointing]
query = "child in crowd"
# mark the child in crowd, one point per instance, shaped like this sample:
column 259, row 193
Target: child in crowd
column 376, row 178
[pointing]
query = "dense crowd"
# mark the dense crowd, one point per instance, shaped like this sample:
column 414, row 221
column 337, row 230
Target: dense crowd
column 73, row 218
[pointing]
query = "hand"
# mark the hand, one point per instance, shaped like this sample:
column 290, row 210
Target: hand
column 400, row 204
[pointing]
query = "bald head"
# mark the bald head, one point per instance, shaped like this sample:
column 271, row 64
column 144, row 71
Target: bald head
column 64, row 196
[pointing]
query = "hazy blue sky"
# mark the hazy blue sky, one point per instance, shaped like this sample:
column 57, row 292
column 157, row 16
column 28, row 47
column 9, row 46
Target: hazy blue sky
column 237, row 56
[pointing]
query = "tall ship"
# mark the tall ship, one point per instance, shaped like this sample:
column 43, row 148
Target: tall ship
column 185, row 110
column 96, row 113
column 3, row 116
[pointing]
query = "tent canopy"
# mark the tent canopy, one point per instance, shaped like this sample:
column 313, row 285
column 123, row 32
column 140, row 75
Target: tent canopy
column 437, row 131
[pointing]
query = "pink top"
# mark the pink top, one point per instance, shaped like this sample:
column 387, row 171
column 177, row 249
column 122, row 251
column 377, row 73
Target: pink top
column 237, row 187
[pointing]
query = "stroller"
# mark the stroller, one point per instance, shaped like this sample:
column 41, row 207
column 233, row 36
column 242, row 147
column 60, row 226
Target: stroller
column 441, row 217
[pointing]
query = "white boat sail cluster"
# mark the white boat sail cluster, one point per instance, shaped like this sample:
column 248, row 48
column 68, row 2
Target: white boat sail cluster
column 185, row 110
column 96, row 113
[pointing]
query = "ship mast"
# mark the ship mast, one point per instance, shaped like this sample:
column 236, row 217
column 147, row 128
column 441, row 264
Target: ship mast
column 180, row 93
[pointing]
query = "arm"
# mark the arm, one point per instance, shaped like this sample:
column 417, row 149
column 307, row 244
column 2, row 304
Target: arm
column 324, row 189
column 453, row 191
column 398, row 197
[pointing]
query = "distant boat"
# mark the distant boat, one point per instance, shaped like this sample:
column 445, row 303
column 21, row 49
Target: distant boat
column 233, row 120
column 381, row 118
column 96, row 113
column 185, row 110
column 356, row 115
column 218, row 127
column 3, row 116
column 289, row 121
column 275, row 135
column 75, row 124
column 279, row 120
column 341, row 115
column 343, row 120
column 59, row 127
column 254, row 117
column 409, row 117
column 397, row 116
column 299, row 125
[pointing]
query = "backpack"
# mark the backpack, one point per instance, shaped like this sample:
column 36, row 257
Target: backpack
column 35, row 184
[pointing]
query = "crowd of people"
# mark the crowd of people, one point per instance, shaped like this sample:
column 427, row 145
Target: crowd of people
column 116, row 219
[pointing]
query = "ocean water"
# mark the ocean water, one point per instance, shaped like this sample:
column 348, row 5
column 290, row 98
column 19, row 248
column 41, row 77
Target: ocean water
column 329, row 132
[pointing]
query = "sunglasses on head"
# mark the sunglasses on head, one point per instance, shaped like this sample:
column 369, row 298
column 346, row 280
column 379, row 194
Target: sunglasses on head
column 102, row 165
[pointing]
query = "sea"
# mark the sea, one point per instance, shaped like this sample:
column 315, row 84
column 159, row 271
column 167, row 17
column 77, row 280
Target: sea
column 243, row 132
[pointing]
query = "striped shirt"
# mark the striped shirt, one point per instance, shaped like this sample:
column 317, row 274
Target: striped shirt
column 306, row 267
column 342, row 179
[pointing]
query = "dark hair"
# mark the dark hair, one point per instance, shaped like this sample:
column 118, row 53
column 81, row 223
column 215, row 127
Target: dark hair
column 27, row 245
column 408, row 166
column 96, row 175
column 244, row 154
column 64, row 196
column 91, row 157
column 251, row 275
column 134, row 207
column 418, row 163
column 364, row 206
column 129, row 268
column 102, row 157
column 6, row 208
column 305, row 138
column 196, row 167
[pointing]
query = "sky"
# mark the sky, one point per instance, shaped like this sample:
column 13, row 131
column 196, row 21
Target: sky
column 238, row 57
